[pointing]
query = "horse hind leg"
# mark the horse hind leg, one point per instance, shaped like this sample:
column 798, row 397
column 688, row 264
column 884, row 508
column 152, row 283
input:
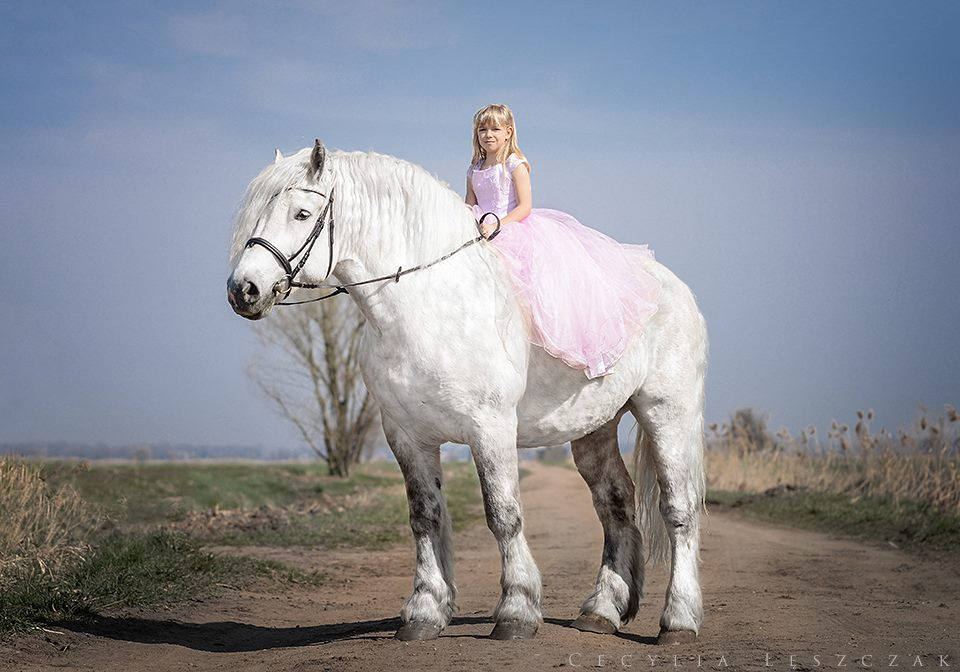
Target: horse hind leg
column 670, row 463
column 619, row 587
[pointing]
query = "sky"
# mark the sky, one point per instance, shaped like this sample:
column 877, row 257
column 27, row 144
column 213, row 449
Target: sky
column 796, row 164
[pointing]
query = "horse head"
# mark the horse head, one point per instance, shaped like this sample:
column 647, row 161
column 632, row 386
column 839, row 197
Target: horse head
column 287, row 212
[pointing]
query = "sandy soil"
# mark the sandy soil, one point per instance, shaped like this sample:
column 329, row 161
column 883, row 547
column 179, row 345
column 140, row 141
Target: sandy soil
column 770, row 593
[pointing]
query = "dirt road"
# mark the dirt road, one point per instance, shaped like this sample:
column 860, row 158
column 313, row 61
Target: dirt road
column 770, row 593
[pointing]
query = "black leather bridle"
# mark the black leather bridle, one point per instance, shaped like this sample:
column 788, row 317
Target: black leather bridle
column 288, row 282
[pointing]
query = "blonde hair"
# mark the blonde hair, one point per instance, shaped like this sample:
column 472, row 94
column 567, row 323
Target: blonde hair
column 496, row 115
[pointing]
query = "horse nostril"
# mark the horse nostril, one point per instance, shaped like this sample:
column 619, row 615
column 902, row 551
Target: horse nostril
column 250, row 291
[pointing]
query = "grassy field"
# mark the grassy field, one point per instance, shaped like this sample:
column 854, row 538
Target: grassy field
column 906, row 523
column 85, row 538
column 79, row 538
column 161, row 492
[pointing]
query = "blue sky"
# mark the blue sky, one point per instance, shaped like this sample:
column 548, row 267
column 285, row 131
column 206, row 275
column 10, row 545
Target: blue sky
column 798, row 164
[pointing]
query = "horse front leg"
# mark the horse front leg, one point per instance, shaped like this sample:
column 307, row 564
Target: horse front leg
column 518, row 613
column 433, row 602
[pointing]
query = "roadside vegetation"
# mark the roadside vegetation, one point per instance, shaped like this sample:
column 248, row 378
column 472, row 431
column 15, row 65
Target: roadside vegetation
column 903, row 488
column 80, row 539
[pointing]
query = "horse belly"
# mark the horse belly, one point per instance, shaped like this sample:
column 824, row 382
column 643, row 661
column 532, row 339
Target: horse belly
column 561, row 404
column 440, row 392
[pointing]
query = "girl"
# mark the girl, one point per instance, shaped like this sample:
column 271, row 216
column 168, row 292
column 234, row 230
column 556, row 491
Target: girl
column 586, row 294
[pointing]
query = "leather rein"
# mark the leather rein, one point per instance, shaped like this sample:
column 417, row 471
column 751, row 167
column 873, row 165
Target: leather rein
column 288, row 282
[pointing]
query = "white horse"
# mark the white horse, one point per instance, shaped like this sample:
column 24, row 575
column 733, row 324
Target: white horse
column 446, row 355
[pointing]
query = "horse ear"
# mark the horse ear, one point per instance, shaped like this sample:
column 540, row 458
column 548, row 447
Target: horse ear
column 317, row 158
column 277, row 156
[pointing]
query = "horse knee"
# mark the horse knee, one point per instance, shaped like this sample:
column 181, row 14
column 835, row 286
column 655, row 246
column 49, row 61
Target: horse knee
column 504, row 519
column 426, row 509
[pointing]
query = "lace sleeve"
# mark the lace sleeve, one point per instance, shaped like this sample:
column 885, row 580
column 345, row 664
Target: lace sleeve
column 513, row 161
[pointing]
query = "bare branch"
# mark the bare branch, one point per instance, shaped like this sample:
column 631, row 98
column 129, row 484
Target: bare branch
column 309, row 371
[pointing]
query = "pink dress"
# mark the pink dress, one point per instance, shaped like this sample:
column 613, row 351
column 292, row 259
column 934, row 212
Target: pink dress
column 585, row 293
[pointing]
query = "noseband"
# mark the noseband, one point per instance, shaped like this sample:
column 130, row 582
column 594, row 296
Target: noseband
column 288, row 282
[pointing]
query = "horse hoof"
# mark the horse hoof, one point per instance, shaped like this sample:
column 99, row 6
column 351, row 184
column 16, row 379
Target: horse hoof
column 594, row 623
column 417, row 631
column 514, row 630
column 677, row 637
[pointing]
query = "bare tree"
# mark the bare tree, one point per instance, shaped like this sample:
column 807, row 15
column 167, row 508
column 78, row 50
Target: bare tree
column 308, row 369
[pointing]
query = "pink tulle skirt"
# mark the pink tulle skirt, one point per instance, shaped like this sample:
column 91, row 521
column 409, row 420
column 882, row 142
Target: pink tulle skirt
column 585, row 293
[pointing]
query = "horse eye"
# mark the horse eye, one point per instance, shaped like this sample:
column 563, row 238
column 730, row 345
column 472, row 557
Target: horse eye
column 302, row 215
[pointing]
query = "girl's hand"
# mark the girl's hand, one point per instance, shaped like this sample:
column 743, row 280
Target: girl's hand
column 489, row 226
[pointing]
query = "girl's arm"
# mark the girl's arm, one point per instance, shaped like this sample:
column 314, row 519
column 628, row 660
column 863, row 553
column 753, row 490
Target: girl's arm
column 521, row 181
column 471, row 198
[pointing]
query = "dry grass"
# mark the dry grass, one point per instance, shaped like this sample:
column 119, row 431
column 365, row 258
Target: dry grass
column 44, row 529
column 918, row 464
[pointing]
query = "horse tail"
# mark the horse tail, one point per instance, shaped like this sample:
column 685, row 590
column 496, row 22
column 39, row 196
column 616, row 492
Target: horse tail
column 653, row 529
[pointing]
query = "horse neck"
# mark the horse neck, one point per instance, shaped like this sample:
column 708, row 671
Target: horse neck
column 391, row 214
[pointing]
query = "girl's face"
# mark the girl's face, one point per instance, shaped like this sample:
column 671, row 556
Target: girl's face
column 493, row 137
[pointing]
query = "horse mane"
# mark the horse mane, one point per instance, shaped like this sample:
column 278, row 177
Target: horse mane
column 396, row 205
column 276, row 177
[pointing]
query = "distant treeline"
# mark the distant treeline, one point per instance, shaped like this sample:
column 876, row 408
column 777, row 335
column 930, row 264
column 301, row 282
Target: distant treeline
column 153, row 451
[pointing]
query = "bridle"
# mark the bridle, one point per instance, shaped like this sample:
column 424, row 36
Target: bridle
column 288, row 282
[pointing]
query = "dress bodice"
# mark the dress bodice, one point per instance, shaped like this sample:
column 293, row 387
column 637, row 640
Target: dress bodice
column 494, row 186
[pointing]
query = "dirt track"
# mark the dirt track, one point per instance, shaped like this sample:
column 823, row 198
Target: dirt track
column 769, row 593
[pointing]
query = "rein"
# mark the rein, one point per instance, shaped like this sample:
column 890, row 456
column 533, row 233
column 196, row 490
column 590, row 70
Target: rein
column 288, row 282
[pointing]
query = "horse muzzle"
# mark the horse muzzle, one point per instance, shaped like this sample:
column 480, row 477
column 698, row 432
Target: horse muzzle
column 247, row 299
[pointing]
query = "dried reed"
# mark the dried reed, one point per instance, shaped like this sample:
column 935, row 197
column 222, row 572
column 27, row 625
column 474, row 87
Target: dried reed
column 43, row 529
column 920, row 463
